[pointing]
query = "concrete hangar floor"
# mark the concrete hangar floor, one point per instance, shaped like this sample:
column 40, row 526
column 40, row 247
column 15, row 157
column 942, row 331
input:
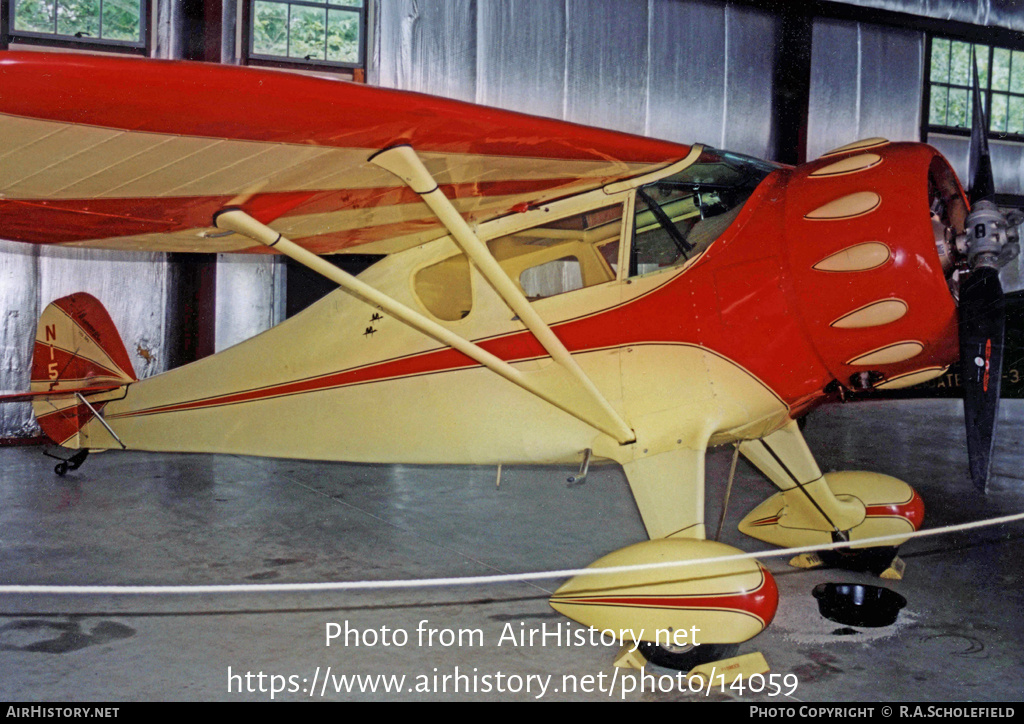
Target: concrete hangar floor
column 144, row 518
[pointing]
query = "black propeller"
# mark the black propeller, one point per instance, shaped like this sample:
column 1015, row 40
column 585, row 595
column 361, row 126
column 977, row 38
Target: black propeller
column 989, row 242
column 981, row 357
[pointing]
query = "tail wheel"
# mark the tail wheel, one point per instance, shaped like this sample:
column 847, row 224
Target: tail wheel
column 685, row 658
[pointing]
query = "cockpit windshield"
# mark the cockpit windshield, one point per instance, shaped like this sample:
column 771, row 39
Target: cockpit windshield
column 678, row 217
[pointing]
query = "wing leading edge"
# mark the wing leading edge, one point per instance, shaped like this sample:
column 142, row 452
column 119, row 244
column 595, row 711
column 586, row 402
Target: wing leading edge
column 134, row 154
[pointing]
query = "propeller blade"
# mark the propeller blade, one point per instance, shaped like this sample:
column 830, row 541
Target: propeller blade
column 983, row 185
column 981, row 357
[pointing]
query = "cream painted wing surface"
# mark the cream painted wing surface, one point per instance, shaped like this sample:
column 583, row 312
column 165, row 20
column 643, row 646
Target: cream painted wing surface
column 138, row 154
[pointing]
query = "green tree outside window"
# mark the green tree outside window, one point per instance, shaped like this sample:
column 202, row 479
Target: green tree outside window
column 328, row 32
column 111, row 20
column 1000, row 78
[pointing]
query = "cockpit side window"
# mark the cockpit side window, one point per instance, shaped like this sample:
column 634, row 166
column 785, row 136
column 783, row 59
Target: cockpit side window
column 678, row 217
column 563, row 255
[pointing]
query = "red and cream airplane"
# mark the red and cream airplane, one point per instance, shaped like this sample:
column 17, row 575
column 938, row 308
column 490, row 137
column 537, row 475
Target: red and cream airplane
column 550, row 293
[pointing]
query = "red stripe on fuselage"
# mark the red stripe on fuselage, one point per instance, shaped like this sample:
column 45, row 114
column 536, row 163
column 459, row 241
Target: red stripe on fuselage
column 684, row 310
column 439, row 361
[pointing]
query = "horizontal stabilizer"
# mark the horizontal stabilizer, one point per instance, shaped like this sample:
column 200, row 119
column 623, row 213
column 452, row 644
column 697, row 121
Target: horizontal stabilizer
column 53, row 394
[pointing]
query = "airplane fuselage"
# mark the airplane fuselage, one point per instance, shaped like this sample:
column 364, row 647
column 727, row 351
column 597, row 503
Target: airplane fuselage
column 727, row 345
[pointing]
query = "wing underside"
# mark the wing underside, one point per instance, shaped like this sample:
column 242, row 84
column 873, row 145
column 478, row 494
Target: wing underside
column 136, row 154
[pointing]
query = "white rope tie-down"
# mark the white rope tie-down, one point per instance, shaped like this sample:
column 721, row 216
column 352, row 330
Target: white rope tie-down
column 478, row 580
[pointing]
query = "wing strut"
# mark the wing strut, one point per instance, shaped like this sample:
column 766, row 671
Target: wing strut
column 404, row 163
column 240, row 222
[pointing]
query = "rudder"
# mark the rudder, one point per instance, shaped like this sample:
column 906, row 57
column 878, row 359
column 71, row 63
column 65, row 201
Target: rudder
column 77, row 349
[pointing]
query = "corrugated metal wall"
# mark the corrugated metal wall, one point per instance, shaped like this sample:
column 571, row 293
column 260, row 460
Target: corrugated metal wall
column 250, row 297
column 19, row 273
column 865, row 81
column 683, row 71
column 134, row 288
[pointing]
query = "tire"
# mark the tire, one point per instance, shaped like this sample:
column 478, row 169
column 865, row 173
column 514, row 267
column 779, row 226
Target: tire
column 860, row 560
column 685, row 658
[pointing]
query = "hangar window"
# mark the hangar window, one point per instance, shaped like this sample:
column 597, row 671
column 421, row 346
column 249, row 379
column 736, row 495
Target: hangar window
column 110, row 23
column 329, row 33
column 1000, row 79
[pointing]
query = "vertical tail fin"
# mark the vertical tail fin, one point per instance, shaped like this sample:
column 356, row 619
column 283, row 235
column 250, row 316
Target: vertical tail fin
column 77, row 349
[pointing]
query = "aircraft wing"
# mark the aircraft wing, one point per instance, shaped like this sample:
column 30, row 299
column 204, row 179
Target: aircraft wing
column 138, row 154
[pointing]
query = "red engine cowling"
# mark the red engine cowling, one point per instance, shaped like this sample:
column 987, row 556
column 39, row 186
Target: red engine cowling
column 869, row 284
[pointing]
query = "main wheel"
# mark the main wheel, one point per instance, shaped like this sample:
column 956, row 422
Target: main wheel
column 685, row 658
column 861, row 560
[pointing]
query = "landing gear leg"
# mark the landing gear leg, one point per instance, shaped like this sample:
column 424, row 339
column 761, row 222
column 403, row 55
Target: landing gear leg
column 844, row 506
